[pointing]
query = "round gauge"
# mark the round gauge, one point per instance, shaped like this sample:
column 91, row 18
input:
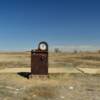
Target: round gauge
column 43, row 46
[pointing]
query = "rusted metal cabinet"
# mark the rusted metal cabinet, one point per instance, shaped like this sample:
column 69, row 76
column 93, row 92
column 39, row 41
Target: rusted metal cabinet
column 39, row 60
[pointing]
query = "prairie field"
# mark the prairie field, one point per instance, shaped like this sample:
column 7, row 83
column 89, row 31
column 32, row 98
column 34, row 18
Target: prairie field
column 23, row 59
column 59, row 86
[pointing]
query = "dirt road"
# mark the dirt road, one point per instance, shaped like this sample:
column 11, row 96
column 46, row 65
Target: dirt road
column 55, row 70
column 51, row 70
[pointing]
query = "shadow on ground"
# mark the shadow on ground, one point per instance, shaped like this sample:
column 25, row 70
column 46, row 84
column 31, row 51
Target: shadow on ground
column 24, row 74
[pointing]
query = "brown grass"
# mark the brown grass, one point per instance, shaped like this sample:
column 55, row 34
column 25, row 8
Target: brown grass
column 57, row 86
column 22, row 59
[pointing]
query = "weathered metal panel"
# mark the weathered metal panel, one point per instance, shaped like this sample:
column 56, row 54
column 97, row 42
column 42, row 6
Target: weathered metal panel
column 39, row 62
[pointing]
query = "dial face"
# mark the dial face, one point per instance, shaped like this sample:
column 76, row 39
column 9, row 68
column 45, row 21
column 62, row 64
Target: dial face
column 43, row 46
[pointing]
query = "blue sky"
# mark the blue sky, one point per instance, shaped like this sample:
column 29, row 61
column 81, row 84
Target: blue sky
column 23, row 23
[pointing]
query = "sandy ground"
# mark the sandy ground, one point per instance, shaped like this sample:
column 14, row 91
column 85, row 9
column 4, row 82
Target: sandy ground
column 51, row 70
column 90, row 70
column 55, row 70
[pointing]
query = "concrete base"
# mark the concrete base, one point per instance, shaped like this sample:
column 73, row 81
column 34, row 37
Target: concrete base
column 31, row 76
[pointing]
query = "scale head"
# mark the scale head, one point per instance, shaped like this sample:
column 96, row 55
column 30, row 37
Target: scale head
column 43, row 46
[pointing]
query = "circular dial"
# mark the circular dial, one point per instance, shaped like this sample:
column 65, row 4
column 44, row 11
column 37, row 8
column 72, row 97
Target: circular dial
column 43, row 46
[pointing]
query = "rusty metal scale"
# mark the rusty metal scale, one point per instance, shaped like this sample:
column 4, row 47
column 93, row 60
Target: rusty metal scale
column 39, row 60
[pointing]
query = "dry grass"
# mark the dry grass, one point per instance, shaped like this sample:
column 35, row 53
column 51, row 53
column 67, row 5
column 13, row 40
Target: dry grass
column 12, row 60
column 57, row 86
column 22, row 59
column 63, row 87
column 77, row 60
